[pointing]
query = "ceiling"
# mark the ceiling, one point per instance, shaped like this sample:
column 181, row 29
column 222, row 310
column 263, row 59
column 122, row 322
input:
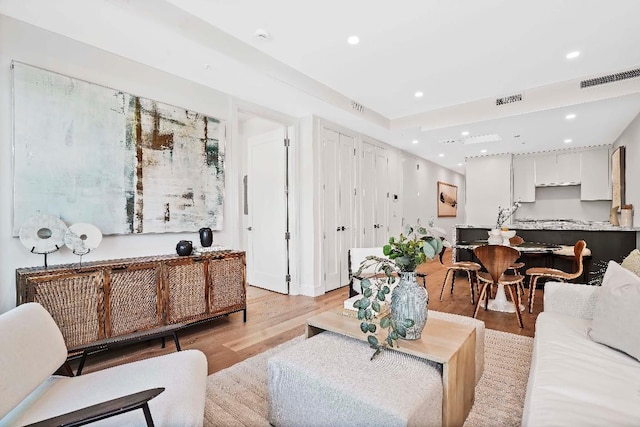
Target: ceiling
column 461, row 54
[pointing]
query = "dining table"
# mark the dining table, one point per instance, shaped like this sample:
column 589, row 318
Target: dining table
column 500, row 302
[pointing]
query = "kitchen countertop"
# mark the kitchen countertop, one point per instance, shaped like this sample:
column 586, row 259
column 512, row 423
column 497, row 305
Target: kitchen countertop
column 557, row 225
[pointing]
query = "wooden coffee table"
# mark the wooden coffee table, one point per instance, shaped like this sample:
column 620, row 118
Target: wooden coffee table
column 451, row 344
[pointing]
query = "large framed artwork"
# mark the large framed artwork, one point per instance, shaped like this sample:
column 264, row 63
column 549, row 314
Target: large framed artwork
column 447, row 199
column 88, row 153
column 617, row 177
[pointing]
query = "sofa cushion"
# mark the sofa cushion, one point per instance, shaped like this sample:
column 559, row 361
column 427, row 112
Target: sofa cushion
column 617, row 313
column 575, row 381
column 632, row 262
column 182, row 373
column 30, row 356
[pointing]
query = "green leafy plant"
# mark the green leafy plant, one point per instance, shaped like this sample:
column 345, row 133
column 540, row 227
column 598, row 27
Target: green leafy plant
column 403, row 254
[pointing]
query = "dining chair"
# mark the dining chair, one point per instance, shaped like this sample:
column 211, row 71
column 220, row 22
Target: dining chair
column 469, row 267
column 496, row 259
column 536, row 273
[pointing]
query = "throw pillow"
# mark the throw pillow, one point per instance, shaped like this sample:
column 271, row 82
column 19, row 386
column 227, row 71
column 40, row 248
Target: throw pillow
column 632, row 261
column 616, row 316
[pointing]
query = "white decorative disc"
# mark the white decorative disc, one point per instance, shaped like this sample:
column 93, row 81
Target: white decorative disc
column 43, row 234
column 81, row 238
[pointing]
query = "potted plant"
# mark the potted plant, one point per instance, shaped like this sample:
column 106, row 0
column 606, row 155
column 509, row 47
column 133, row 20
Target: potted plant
column 408, row 313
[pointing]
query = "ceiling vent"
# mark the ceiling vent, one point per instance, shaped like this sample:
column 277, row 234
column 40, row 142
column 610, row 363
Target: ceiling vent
column 447, row 141
column 509, row 99
column 610, row 78
column 494, row 137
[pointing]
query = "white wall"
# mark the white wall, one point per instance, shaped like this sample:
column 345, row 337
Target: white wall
column 488, row 187
column 28, row 44
column 630, row 138
column 564, row 203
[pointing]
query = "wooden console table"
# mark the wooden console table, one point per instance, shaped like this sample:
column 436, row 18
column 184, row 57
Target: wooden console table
column 105, row 299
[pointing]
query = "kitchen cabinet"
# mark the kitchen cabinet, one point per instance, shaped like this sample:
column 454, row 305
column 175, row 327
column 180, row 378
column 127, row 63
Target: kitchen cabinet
column 524, row 184
column 557, row 169
column 596, row 176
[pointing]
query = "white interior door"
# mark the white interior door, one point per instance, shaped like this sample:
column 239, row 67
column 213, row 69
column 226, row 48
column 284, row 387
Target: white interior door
column 331, row 218
column 338, row 207
column 266, row 244
column 381, row 206
column 347, row 204
column 409, row 192
column 368, row 196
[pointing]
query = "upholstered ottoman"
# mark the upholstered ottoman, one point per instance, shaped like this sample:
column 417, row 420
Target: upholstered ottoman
column 328, row 380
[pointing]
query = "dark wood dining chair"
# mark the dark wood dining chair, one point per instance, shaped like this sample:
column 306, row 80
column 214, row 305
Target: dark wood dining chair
column 496, row 259
column 536, row 273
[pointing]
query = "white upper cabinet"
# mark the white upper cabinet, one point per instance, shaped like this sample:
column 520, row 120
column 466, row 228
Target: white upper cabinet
column 524, row 184
column 557, row 169
column 568, row 166
column 596, row 176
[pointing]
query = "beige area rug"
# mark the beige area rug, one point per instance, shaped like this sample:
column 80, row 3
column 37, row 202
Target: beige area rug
column 237, row 396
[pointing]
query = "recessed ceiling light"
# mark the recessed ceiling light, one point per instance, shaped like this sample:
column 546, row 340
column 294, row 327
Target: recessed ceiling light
column 353, row 40
column 573, row 54
column 459, row 164
column 415, row 141
column 418, row 94
column 465, row 133
column 207, row 66
column 483, row 151
column 441, row 155
column 568, row 141
column 570, row 116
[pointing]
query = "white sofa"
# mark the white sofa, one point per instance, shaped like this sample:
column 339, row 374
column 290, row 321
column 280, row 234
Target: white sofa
column 575, row 381
column 33, row 349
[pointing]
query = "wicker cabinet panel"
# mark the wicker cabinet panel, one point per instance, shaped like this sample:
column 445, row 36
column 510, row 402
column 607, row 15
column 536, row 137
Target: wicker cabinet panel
column 75, row 303
column 133, row 300
column 226, row 285
column 186, row 291
column 113, row 298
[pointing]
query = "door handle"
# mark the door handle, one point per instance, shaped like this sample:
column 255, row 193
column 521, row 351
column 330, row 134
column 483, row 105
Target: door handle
column 338, row 229
column 343, row 228
column 249, row 228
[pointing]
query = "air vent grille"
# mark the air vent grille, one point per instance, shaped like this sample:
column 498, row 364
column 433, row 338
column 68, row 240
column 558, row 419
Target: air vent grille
column 610, row 78
column 509, row 99
column 447, row 141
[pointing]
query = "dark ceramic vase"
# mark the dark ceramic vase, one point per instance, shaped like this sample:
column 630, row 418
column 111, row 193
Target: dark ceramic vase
column 206, row 237
column 184, row 247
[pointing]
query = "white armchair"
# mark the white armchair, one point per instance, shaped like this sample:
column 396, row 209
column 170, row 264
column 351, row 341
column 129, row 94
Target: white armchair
column 32, row 351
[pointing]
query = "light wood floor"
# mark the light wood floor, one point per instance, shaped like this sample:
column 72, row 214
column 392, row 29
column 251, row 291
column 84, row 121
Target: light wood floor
column 274, row 318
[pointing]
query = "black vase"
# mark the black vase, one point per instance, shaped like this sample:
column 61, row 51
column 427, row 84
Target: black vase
column 184, row 247
column 206, row 237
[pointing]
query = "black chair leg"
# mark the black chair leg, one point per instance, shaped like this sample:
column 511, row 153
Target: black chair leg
column 147, row 415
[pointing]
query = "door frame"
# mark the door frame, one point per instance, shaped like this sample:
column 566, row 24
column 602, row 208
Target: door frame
column 238, row 153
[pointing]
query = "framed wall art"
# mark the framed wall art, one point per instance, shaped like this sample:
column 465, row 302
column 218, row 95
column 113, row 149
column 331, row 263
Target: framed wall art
column 447, row 199
column 91, row 154
column 617, row 177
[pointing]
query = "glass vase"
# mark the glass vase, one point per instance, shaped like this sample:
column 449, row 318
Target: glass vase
column 409, row 301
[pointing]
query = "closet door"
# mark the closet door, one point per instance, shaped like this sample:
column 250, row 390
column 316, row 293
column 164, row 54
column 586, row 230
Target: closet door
column 410, row 202
column 367, row 192
column 381, row 197
column 338, row 206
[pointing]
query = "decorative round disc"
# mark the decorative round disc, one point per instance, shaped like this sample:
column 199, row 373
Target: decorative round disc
column 43, row 234
column 81, row 238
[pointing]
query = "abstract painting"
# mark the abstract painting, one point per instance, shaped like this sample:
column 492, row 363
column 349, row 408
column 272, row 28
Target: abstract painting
column 447, row 199
column 617, row 178
column 127, row 164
